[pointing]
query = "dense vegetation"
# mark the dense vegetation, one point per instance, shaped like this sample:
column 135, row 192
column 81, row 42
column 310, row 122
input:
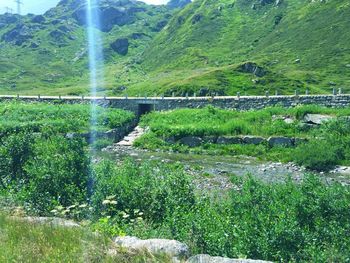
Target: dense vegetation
column 278, row 221
column 328, row 143
column 49, row 174
column 203, row 48
column 61, row 118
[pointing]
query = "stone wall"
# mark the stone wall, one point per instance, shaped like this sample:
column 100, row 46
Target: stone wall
column 159, row 104
column 114, row 135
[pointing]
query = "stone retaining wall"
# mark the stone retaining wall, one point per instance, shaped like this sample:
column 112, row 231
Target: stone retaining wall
column 115, row 135
column 195, row 141
column 159, row 104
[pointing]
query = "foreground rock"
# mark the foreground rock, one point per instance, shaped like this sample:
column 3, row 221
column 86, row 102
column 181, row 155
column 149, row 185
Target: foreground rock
column 210, row 259
column 172, row 248
column 317, row 119
column 54, row 221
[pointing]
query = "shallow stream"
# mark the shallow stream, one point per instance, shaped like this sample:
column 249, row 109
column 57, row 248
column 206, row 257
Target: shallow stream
column 214, row 172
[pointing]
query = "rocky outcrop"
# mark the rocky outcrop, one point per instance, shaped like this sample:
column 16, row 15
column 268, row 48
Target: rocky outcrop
column 121, row 46
column 253, row 68
column 160, row 25
column 209, row 259
column 121, row 13
column 18, row 35
column 38, row 19
column 172, row 248
column 8, row 19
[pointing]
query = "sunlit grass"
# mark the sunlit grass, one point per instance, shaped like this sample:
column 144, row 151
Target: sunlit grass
column 29, row 242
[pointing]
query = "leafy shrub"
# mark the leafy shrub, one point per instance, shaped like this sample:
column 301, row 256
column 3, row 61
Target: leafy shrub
column 15, row 151
column 278, row 222
column 57, row 173
column 155, row 190
column 319, row 155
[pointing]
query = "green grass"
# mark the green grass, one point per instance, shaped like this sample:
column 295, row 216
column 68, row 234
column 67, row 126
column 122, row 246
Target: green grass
column 21, row 241
column 62, row 118
column 214, row 121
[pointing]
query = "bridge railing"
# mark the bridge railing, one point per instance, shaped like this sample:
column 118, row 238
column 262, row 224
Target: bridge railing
column 267, row 94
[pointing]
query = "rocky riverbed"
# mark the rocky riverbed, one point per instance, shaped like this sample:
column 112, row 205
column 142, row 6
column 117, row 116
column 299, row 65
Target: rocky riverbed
column 215, row 172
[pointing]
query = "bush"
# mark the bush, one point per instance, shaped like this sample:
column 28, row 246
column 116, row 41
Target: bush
column 57, row 174
column 154, row 190
column 15, row 151
column 279, row 222
column 318, row 155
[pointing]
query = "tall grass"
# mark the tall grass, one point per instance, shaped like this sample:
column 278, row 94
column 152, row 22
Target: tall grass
column 213, row 121
column 37, row 117
column 29, row 242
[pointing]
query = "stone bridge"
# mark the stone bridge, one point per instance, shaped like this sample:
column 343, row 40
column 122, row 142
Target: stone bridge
column 141, row 105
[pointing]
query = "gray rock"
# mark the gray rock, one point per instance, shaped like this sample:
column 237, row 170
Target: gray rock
column 160, row 25
column 191, row 141
column 253, row 68
column 55, row 221
column 172, row 248
column 121, row 46
column 253, row 140
column 57, row 35
column 38, row 19
column 210, row 139
column 209, row 259
column 109, row 15
column 18, row 35
column 229, row 140
column 289, row 120
column 317, row 118
column 197, row 18
column 280, row 141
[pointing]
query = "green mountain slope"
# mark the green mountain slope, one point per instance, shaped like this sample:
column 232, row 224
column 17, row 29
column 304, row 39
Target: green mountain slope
column 222, row 46
column 48, row 54
column 299, row 44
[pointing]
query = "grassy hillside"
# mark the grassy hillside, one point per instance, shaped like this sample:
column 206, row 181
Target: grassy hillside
column 221, row 46
column 299, row 44
column 48, row 54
